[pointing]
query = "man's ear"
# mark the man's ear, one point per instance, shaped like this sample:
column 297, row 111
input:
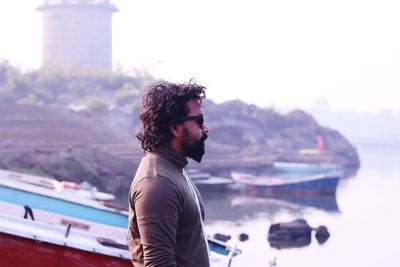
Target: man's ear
column 175, row 130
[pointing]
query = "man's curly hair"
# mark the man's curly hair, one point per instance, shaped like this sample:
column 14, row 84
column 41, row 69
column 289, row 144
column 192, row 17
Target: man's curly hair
column 162, row 104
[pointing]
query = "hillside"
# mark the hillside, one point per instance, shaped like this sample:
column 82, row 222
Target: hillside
column 66, row 146
column 39, row 132
column 100, row 148
column 245, row 133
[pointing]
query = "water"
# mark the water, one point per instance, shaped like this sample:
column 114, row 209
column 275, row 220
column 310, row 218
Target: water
column 363, row 224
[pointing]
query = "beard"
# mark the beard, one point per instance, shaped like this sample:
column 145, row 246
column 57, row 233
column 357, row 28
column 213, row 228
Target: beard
column 194, row 149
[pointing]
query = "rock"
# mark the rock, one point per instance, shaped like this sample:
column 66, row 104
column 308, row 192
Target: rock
column 222, row 237
column 288, row 235
column 290, row 230
column 295, row 234
column 243, row 237
column 322, row 234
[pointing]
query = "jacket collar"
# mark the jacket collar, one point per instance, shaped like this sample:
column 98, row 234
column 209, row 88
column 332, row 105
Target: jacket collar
column 166, row 151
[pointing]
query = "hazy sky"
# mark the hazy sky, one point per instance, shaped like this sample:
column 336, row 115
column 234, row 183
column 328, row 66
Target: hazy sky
column 285, row 53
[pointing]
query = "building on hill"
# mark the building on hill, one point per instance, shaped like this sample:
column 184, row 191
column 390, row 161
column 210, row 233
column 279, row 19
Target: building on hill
column 77, row 34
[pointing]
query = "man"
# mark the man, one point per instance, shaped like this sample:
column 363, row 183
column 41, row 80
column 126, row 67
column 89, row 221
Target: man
column 165, row 208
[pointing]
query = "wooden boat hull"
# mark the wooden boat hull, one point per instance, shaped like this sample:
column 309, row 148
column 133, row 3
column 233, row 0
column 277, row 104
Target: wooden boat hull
column 93, row 219
column 30, row 243
column 25, row 242
column 20, row 252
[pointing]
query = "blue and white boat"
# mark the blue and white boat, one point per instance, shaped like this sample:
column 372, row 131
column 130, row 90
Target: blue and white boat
column 41, row 199
column 297, row 168
column 65, row 198
column 70, row 240
column 324, row 183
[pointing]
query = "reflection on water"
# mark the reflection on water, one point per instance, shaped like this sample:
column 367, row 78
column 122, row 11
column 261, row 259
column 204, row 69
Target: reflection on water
column 234, row 213
column 244, row 206
column 362, row 216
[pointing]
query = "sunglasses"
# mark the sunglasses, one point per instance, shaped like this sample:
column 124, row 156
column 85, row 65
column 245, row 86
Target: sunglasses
column 199, row 119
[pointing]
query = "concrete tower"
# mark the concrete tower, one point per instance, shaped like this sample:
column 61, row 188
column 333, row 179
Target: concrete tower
column 77, row 33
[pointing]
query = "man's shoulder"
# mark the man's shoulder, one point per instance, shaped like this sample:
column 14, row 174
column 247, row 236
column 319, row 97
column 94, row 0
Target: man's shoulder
column 156, row 176
column 155, row 166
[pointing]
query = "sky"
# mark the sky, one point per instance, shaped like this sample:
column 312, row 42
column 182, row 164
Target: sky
column 284, row 54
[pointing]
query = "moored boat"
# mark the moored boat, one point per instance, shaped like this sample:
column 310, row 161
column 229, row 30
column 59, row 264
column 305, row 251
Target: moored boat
column 65, row 188
column 297, row 168
column 212, row 183
column 324, row 183
column 47, row 244
column 26, row 242
column 207, row 182
column 28, row 213
column 43, row 209
column 34, row 191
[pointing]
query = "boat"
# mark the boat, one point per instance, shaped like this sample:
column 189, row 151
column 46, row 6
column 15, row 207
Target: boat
column 214, row 184
column 38, row 193
column 207, row 182
column 39, row 215
column 297, row 168
column 26, row 242
column 82, row 190
column 44, row 244
column 32, row 204
column 324, row 183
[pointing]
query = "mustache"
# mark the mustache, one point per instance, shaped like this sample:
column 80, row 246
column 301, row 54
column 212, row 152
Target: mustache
column 204, row 137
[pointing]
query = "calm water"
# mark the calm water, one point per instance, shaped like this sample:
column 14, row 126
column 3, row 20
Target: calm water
column 363, row 220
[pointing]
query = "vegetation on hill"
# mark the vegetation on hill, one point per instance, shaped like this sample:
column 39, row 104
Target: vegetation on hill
column 50, row 86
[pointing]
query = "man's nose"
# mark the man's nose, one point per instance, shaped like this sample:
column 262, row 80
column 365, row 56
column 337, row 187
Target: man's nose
column 205, row 128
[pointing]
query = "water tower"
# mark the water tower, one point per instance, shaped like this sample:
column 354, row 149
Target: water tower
column 77, row 33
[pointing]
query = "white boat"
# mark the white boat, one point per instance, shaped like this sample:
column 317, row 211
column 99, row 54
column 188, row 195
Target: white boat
column 207, row 182
column 28, row 213
column 83, row 190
